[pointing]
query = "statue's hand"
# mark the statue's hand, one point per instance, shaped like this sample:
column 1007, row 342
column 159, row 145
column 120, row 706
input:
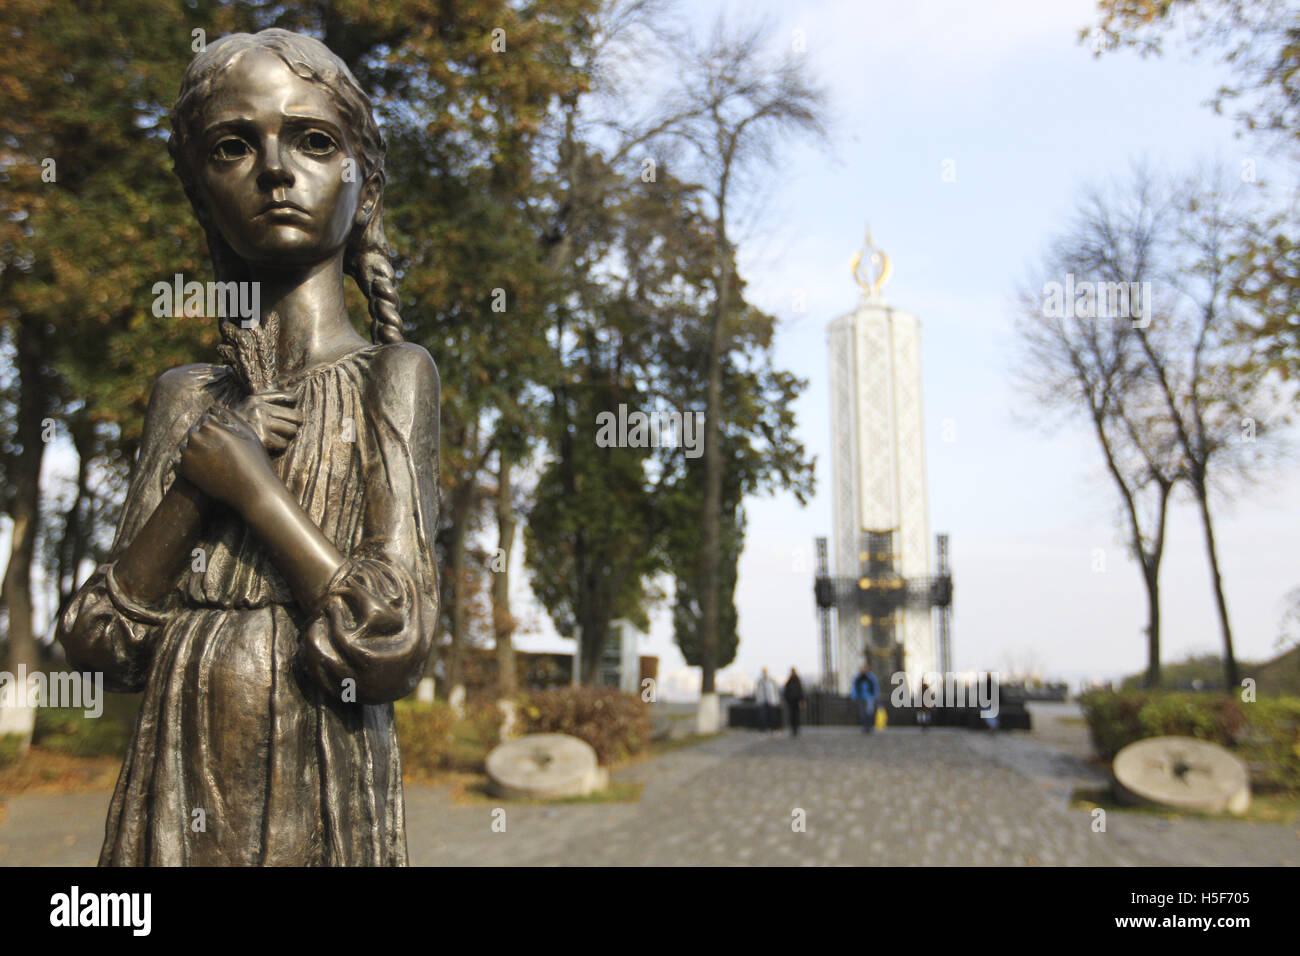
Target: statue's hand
column 272, row 417
column 223, row 457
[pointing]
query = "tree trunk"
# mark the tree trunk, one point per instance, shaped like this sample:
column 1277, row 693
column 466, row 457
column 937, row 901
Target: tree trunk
column 462, row 501
column 593, row 645
column 1151, row 574
column 16, row 590
column 503, row 623
column 1148, row 559
column 711, row 516
column 583, row 598
column 1152, row 676
column 77, row 528
column 1194, row 446
column 1229, row 657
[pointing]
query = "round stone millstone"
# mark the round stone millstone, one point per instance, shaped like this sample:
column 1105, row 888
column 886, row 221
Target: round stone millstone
column 1183, row 773
column 544, row 765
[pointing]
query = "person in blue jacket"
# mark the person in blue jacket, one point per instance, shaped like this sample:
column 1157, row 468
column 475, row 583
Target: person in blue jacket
column 866, row 691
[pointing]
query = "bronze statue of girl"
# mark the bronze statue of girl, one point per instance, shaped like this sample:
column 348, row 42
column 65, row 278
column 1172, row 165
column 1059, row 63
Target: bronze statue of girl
column 272, row 587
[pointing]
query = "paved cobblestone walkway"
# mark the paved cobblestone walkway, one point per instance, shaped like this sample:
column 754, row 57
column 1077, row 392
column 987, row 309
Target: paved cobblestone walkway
column 900, row 797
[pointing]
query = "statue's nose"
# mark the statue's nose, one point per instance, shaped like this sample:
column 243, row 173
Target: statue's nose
column 275, row 172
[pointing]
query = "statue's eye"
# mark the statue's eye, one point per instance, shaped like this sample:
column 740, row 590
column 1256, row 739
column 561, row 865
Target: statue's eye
column 317, row 143
column 230, row 148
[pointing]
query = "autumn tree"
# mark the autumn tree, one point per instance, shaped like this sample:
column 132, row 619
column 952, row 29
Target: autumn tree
column 1259, row 42
column 1159, row 382
column 463, row 92
column 595, row 532
column 92, row 217
column 741, row 103
column 762, row 454
column 1076, row 363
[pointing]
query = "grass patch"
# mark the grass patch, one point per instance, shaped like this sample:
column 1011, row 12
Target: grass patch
column 71, row 752
column 469, row 750
column 618, row 791
column 44, row 771
column 669, row 744
column 1072, row 721
column 1264, row 807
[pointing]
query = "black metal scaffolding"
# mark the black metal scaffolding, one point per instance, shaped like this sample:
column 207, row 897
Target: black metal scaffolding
column 876, row 595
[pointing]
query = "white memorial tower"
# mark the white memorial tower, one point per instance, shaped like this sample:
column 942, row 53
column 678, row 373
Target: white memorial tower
column 881, row 533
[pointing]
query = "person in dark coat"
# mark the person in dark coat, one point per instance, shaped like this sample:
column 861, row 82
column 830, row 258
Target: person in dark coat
column 866, row 691
column 794, row 700
column 923, row 715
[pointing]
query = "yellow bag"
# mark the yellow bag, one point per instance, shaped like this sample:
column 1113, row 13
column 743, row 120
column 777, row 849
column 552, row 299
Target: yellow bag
column 881, row 718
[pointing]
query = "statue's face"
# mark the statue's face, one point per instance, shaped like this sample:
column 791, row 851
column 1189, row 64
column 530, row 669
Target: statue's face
column 272, row 158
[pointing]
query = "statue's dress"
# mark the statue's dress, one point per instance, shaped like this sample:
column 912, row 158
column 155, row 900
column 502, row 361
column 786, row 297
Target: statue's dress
column 266, row 734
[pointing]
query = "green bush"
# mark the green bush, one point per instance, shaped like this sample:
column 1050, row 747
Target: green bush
column 1270, row 743
column 1264, row 733
column 1213, row 717
column 424, row 733
column 1112, row 720
column 10, row 747
column 67, row 730
column 616, row 724
column 485, row 720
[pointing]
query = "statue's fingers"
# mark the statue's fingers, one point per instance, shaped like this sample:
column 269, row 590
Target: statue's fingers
column 232, row 424
column 285, row 414
column 219, row 416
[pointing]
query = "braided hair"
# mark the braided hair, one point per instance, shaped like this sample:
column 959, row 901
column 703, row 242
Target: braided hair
column 251, row 352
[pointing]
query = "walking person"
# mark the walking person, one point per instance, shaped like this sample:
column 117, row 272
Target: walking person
column 866, row 690
column 794, row 700
column 768, row 697
column 923, row 707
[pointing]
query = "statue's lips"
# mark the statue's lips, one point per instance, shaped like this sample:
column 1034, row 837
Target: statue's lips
column 284, row 207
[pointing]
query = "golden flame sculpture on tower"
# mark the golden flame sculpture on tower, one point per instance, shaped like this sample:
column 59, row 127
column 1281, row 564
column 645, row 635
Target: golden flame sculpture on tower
column 871, row 268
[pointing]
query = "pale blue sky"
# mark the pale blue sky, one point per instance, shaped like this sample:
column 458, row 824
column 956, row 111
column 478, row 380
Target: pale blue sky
column 1029, row 116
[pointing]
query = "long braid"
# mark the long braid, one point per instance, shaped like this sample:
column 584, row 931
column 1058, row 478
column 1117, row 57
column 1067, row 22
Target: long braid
column 368, row 263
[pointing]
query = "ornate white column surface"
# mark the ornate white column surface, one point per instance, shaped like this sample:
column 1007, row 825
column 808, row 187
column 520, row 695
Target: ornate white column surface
column 878, row 456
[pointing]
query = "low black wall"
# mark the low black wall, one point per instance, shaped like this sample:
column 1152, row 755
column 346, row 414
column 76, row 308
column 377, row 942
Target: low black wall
column 832, row 710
